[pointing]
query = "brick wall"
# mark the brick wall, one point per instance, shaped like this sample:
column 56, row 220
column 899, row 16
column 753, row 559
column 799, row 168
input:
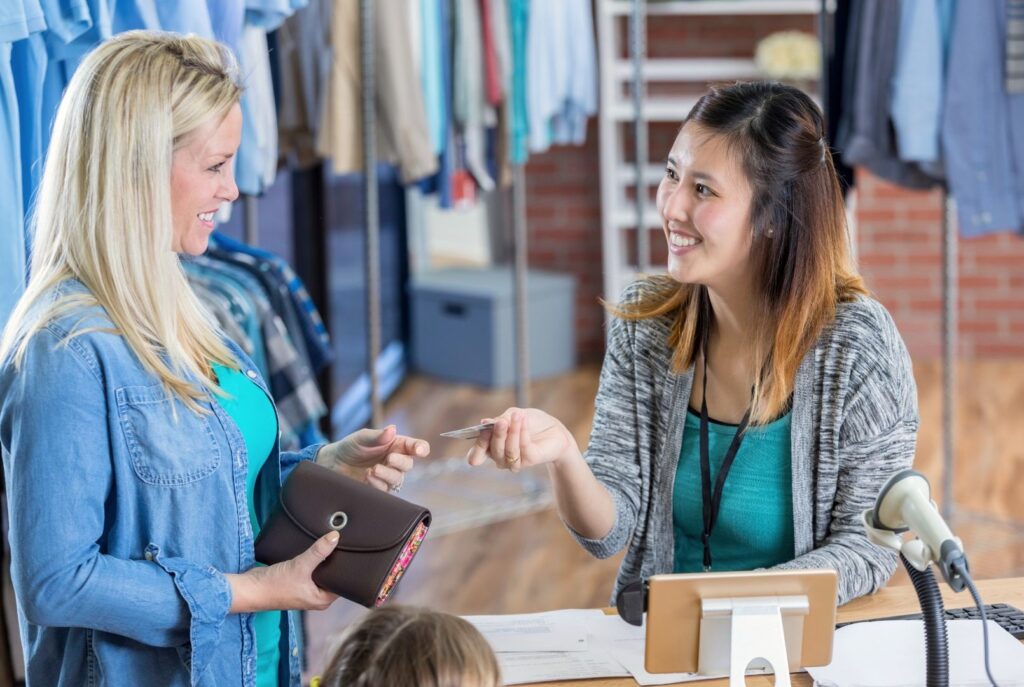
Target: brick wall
column 900, row 251
column 898, row 240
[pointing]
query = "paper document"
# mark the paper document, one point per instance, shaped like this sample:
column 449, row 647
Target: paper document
column 886, row 653
column 530, row 648
column 627, row 642
column 551, row 631
column 547, row 666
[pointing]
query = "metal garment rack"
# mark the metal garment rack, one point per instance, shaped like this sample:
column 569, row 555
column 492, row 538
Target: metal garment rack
column 950, row 299
column 372, row 218
column 371, row 213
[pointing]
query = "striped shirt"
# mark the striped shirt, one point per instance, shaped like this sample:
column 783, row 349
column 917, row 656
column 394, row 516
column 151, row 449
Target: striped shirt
column 854, row 423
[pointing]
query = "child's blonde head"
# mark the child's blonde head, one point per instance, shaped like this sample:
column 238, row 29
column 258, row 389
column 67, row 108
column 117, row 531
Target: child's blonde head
column 405, row 646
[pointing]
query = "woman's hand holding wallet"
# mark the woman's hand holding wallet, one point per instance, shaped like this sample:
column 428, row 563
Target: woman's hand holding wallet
column 287, row 585
column 380, row 533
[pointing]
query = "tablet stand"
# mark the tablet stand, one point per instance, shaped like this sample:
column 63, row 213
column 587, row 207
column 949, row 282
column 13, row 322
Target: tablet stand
column 736, row 631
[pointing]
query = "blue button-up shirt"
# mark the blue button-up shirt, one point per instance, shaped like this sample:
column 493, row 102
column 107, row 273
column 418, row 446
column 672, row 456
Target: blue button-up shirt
column 126, row 511
column 983, row 125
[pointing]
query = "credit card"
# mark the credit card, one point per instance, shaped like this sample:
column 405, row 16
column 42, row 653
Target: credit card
column 468, row 432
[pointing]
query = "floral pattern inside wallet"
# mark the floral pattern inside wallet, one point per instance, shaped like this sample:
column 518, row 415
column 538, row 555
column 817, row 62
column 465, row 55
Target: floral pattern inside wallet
column 402, row 563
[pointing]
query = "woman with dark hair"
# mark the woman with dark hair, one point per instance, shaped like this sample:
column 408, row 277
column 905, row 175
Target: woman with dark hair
column 754, row 400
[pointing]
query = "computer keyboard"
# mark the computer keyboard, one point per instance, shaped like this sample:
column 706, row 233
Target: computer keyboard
column 1010, row 618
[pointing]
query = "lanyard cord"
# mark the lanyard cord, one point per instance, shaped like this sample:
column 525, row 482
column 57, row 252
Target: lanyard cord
column 713, row 500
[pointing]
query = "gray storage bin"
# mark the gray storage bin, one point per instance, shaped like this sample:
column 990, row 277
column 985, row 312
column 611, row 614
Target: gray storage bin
column 463, row 326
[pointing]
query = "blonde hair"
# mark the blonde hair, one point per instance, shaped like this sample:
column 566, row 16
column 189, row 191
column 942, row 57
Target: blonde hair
column 103, row 211
column 406, row 645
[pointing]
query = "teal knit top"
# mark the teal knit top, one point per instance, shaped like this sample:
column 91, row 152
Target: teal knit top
column 754, row 528
column 253, row 412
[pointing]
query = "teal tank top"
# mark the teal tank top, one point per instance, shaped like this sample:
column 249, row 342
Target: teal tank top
column 252, row 411
column 754, row 528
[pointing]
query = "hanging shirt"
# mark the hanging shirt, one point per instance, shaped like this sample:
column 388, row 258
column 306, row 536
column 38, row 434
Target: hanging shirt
column 983, row 125
column 12, row 233
column 865, row 133
column 432, row 46
column 185, row 16
column 437, row 94
column 561, row 72
column 303, row 50
column 256, row 160
column 579, row 94
column 226, row 19
column 469, row 98
column 917, row 81
column 18, row 20
column 402, row 132
column 269, row 14
column 519, row 125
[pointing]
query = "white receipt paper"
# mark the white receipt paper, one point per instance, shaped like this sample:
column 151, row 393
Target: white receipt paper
column 552, row 631
column 887, row 653
column 611, row 647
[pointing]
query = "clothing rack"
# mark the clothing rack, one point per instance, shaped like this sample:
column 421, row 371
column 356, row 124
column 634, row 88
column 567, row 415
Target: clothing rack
column 370, row 205
column 372, row 218
column 251, row 230
column 950, row 299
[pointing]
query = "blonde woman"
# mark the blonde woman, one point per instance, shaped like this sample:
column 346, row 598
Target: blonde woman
column 753, row 401
column 405, row 645
column 139, row 444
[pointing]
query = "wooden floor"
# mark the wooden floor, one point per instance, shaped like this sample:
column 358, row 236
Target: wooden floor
column 531, row 563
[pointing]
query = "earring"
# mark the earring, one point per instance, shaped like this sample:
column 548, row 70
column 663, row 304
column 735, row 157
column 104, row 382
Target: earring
column 770, row 233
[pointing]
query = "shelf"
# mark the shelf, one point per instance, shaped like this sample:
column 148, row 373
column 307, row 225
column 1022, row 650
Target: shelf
column 689, row 70
column 713, row 7
column 625, row 218
column 626, row 175
column 657, row 109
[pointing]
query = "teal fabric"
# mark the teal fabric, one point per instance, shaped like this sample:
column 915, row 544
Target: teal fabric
column 251, row 409
column 754, row 528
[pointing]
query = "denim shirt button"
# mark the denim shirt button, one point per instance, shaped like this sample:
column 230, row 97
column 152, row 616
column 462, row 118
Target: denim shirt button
column 295, row 651
column 251, row 374
column 149, row 555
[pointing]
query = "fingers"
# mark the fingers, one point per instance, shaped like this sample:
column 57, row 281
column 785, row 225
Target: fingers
column 399, row 461
column 321, row 549
column 376, row 482
column 513, row 442
column 411, row 446
column 374, row 438
column 504, row 443
column 391, row 477
column 499, row 435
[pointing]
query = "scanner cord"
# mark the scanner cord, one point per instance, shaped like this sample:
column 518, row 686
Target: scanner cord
column 961, row 570
column 933, row 614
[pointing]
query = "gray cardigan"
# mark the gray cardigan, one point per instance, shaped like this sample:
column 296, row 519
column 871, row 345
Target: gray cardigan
column 854, row 423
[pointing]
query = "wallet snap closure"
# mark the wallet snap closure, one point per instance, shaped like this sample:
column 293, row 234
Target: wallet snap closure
column 338, row 521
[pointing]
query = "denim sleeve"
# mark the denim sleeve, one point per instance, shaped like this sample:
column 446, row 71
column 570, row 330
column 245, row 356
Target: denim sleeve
column 54, row 427
column 289, row 459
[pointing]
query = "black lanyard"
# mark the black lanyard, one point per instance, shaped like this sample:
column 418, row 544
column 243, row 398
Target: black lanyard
column 713, row 501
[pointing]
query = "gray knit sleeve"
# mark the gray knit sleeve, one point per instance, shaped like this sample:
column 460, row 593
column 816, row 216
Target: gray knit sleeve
column 874, row 436
column 612, row 452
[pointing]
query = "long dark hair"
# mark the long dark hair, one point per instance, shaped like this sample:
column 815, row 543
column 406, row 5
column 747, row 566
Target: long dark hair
column 800, row 250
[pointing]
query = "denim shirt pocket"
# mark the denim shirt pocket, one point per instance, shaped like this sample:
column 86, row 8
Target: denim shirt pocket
column 169, row 444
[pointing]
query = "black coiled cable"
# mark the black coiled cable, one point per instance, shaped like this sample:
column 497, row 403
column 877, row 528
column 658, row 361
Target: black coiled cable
column 933, row 614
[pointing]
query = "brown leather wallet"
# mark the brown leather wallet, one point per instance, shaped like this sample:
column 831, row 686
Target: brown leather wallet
column 380, row 533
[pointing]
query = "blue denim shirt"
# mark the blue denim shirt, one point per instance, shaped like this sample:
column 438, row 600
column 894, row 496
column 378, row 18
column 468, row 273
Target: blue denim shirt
column 123, row 520
column 983, row 125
